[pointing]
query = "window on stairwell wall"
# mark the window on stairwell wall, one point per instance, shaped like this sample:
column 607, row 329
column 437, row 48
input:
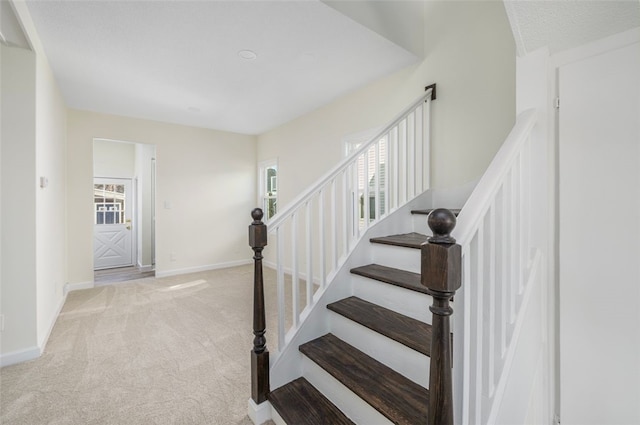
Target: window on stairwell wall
column 375, row 168
column 268, row 184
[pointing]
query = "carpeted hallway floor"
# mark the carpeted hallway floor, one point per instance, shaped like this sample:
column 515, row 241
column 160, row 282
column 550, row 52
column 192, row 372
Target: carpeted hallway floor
column 169, row 350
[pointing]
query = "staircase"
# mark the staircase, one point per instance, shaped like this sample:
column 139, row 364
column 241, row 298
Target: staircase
column 355, row 341
column 374, row 362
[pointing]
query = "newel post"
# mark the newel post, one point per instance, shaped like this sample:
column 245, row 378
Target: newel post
column 259, row 354
column 441, row 275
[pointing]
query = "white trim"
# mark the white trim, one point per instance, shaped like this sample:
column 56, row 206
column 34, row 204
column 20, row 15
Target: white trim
column 146, row 268
column 19, row 356
column 173, row 272
column 260, row 413
column 77, row 286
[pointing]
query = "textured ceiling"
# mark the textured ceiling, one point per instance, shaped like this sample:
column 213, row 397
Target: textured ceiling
column 177, row 61
column 563, row 24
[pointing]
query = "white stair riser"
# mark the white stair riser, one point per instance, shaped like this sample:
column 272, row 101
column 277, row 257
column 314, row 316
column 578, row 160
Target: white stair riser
column 398, row 257
column 404, row 301
column 419, row 222
column 358, row 410
column 404, row 360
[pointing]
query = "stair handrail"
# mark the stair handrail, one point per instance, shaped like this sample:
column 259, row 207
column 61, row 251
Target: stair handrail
column 315, row 233
column 299, row 200
column 499, row 262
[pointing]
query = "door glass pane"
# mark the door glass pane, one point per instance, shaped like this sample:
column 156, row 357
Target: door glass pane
column 109, row 203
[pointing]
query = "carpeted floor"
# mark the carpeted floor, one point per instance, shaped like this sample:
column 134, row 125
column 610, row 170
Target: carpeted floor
column 172, row 350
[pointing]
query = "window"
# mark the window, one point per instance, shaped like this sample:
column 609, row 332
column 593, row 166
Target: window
column 268, row 184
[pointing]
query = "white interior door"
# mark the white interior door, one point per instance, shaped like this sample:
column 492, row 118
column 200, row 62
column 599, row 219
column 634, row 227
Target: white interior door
column 112, row 232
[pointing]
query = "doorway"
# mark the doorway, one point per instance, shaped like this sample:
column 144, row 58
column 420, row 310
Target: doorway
column 124, row 210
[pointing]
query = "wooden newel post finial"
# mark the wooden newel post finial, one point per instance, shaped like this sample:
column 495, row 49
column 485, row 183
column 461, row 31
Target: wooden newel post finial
column 441, row 275
column 259, row 354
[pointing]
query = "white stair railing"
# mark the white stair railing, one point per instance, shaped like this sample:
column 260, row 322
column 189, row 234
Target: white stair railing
column 499, row 261
column 315, row 233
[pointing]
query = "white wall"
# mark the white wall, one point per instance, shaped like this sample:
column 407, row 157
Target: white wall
column 51, row 200
column 469, row 53
column 19, row 338
column 34, row 224
column 205, row 191
column 599, row 206
column 114, row 159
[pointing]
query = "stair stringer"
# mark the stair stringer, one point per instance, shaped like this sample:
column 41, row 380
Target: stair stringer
column 287, row 365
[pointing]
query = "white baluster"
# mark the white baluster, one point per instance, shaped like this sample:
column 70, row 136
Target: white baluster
column 309, row 254
column 334, row 226
column 387, row 171
column 426, row 151
column 322, row 247
column 280, row 286
column 419, row 154
column 295, row 283
column 376, row 204
column 411, row 156
column 345, row 212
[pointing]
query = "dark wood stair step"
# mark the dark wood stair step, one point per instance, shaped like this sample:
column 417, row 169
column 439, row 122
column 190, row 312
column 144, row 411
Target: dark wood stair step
column 406, row 330
column 300, row 403
column 408, row 240
column 392, row 276
column 455, row 211
column 401, row 400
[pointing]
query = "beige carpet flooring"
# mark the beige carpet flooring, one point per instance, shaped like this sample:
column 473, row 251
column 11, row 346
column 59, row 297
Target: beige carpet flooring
column 172, row 350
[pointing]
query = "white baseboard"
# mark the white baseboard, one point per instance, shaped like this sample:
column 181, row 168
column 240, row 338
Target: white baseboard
column 259, row 413
column 77, row 286
column 20, row 356
column 146, row 268
column 174, row 272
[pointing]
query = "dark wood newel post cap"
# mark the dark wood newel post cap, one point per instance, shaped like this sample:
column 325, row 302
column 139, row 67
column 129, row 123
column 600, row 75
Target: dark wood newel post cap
column 256, row 215
column 441, row 256
column 257, row 230
column 441, row 221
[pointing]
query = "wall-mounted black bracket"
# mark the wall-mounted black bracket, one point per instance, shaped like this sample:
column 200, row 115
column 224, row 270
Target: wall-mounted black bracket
column 433, row 93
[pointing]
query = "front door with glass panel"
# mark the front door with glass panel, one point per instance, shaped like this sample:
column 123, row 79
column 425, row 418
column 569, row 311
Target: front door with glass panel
column 112, row 231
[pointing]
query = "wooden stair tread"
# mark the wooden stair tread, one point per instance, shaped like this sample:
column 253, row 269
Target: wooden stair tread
column 392, row 276
column 299, row 402
column 455, row 211
column 408, row 240
column 406, row 330
column 401, row 400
